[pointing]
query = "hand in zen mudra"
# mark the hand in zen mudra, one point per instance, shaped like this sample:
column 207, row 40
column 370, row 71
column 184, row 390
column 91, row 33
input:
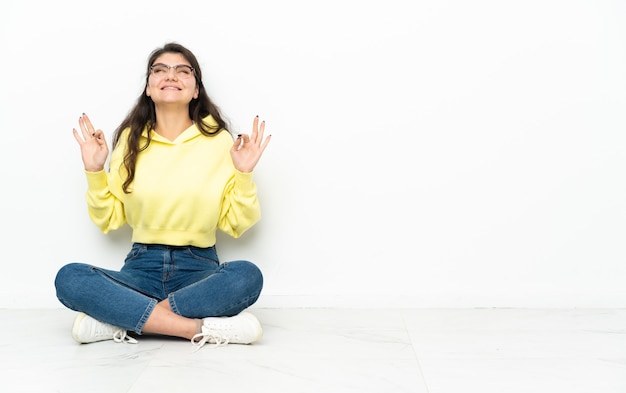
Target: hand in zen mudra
column 93, row 146
column 247, row 150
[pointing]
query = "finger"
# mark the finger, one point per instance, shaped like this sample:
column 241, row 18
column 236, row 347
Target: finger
column 259, row 136
column 265, row 142
column 86, row 126
column 245, row 138
column 99, row 135
column 83, row 128
column 77, row 137
column 255, row 128
column 238, row 143
column 90, row 127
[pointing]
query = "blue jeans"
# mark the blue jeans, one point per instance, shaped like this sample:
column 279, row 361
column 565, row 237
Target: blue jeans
column 193, row 281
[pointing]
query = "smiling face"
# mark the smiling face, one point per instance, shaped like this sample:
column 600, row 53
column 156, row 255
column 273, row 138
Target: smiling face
column 171, row 87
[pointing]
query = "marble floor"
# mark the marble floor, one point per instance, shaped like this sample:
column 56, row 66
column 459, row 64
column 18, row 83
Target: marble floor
column 334, row 350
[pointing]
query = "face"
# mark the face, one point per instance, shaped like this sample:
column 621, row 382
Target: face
column 170, row 86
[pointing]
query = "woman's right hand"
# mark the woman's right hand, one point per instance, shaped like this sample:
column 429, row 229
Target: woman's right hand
column 93, row 146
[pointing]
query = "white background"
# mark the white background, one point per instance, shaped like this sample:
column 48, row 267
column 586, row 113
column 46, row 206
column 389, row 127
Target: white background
column 424, row 153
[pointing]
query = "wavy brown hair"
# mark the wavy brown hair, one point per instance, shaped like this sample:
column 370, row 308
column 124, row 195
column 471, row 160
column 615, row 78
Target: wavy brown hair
column 143, row 114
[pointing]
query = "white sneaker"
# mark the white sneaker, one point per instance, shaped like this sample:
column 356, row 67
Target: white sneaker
column 243, row 328
column 88, row 330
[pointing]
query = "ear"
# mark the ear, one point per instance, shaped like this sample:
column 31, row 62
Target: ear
column 197, row 92
column 148, row 91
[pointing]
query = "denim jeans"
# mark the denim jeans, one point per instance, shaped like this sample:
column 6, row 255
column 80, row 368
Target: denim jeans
column 192, row 279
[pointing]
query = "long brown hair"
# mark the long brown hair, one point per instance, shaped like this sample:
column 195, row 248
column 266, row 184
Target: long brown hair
column 143, row 114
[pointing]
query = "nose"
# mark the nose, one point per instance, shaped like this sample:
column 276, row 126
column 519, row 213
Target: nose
column 171, row 73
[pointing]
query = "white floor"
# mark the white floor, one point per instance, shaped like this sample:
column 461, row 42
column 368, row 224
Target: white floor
column 334, row 350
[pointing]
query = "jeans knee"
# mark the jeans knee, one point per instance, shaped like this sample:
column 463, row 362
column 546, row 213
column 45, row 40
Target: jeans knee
column 65, row 278
column 65, row 274
column 252, row 274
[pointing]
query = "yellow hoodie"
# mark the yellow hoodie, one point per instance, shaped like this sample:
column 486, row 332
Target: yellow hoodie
column 183, row 191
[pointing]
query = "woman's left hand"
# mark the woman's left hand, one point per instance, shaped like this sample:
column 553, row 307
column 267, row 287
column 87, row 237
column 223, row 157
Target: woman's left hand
column 247, row 149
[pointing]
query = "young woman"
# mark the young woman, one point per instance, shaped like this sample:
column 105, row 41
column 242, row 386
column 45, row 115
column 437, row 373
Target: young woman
column 175, row 177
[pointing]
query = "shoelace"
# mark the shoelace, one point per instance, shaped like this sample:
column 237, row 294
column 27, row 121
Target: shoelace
column 200, row 339
column 120, row 336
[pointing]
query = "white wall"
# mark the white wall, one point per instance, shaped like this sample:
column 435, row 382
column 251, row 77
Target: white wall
column 424, row 153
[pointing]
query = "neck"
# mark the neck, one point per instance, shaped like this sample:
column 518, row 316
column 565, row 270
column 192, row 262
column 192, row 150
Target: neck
column 171, row 124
